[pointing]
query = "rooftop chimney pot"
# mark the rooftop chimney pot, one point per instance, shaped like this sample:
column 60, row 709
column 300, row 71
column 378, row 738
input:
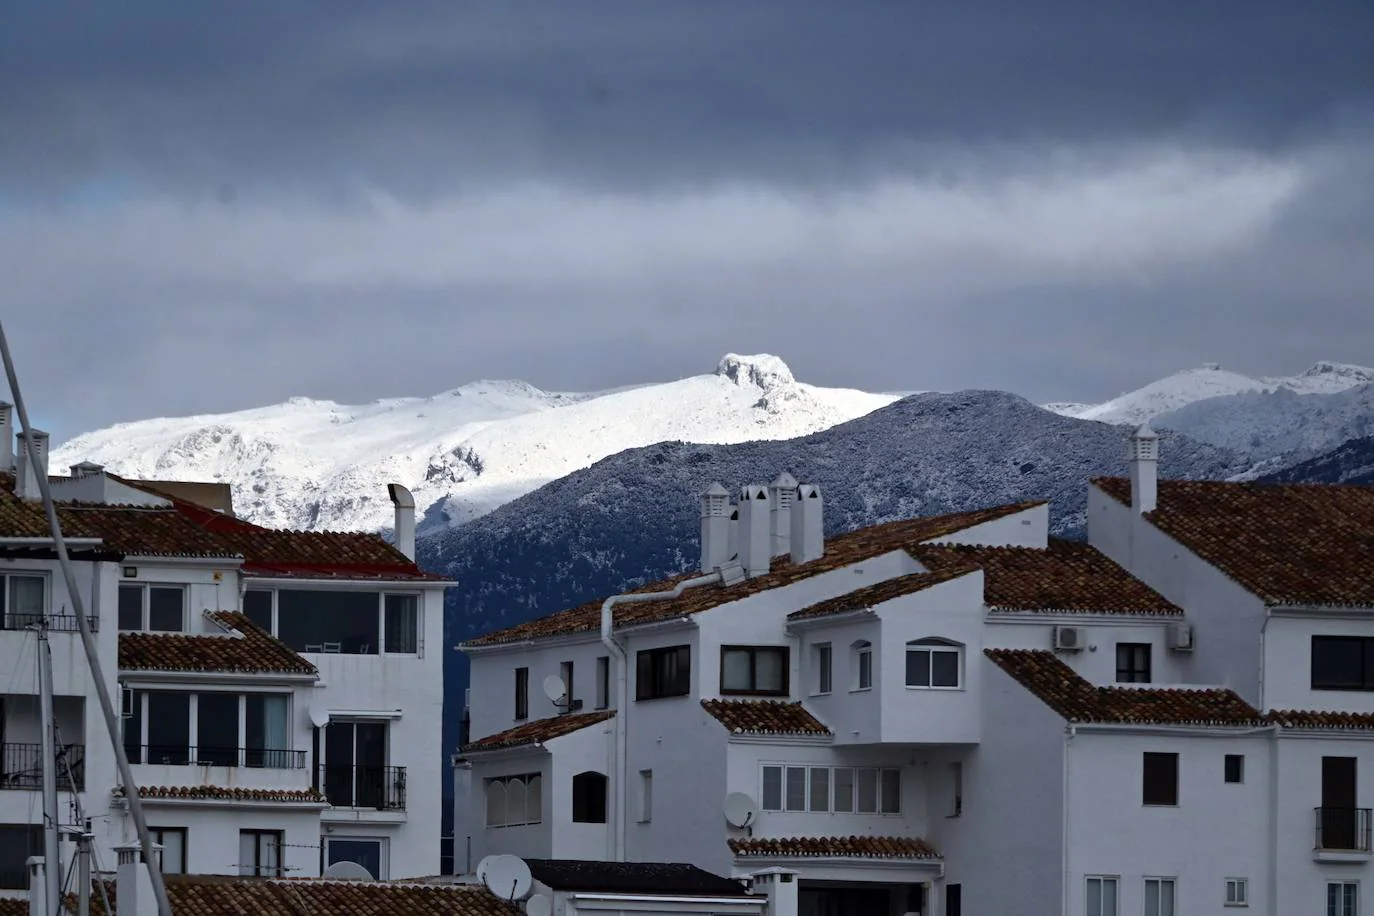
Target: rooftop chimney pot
column 807, row 540
column 755, row 540
column 1144, row 464
column 27, row 475
column 715, row 528
column 404, row 502
column 782, row 492
column 6, row 436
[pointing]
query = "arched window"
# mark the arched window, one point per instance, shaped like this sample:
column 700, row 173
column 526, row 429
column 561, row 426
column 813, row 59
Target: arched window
column 496, row 803
column 861, row 665
column 589, row 798
column 514, row 800
column 934, row 664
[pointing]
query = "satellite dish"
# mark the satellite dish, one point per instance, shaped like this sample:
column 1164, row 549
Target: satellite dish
column 538, row 905
column 508, row 877
column 348, row 871
column 740, row 810
column 482, row 868
column 319, row 716
column 554, row 688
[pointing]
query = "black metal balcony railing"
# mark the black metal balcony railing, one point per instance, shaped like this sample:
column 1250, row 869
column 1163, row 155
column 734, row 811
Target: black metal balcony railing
column 383, row 788
column 1343, row 829
column 57, row 623
column 21, row 767
column 181, row 755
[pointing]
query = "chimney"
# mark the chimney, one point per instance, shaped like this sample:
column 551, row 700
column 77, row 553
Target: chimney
column 38, row 886
column 1144, row 461
column 779, row 885
column 6, row 436
column 86, row 469
column 808, row 524
column 133, row 885
column 715, row 528
column 26, row 478
column 754, row 539
column 782, row 492
column 405, row 519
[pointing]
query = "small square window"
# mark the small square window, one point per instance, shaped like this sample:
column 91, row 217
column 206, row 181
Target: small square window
column 1160, row 782
column 1237, row 892
column 1235, row 768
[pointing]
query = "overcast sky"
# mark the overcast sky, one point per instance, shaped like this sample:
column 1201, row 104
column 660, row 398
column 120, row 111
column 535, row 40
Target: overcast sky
column 205, row 207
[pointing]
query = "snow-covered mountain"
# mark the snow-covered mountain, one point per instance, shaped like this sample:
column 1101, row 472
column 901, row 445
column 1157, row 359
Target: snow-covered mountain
column 1212, row 381
column 318, row 465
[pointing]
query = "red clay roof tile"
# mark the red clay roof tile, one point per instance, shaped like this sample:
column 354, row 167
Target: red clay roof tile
column 833, row 847
column 765, row 717
column 538, row 731
column 230, row 793
column 256, row 651
column 1318, row 720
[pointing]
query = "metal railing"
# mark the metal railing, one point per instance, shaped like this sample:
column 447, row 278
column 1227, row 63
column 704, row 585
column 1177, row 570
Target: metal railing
column 57, row 623
column 182, row 755
column 383, row 788
column 1343, row 829
column 21, row 767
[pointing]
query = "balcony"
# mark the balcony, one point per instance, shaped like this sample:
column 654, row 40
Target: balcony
column 21, row 767
column 1343, row 834
column 382, row 788
column 252, row 757
column 57, row 623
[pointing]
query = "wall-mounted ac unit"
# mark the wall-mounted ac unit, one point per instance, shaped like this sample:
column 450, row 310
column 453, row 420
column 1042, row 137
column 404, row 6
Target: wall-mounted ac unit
column 1181, row 637
column 1069, row 639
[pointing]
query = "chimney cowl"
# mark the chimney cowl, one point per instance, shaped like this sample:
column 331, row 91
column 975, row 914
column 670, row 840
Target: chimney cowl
column 807, row 540
column 782, row 493
column 27, row 474
column 715, row 528
column 404, row 501
column 1143, row 458
column 755, row 540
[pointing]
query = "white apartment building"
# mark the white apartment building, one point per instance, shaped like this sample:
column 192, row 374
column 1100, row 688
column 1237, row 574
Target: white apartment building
column 957, row 715
column 279, row 691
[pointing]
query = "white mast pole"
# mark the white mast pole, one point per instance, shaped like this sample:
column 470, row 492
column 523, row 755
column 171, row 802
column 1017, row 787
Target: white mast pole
column 52, row 851
column 126, row 774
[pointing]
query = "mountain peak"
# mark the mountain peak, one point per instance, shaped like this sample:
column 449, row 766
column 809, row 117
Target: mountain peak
column 761, row 370
column 1326, row 367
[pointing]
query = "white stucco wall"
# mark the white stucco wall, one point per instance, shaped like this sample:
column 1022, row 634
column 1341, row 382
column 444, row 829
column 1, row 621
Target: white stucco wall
column 1288, row 660
column 491, row 697
column 854, row 715
column 212, row 834
column 1029, row 528
column 1096, row 662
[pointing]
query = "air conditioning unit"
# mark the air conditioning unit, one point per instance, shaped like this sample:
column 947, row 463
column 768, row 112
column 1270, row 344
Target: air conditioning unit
column 1181, row 637
column 1069, row 639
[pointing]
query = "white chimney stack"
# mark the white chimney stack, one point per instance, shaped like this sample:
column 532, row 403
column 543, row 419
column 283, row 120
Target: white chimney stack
column 715, row 528
column 1144, row 461
column 6, row 436
column 754, row 538
column 779, row 885
column 133, row 884
column 782, row 493
column 808, row 524
column 26, row 478
column 404, row 502
column 38, row 886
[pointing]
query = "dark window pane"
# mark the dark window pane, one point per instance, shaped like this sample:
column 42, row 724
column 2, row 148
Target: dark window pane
column 1133, row 663
column 1160, row 783
column 944, row 669
column 166, row 609
column 169, row 727
column 402, row 621
column 131, row 607
column 133, row 725
column 522, row 693
column 589, row 798
column 1338, row 663
column 663, row 672
column 257, row 607
column 736, row 670
column 1235, row 768
column 217, row 729
column 918, row 667
column 329, row 621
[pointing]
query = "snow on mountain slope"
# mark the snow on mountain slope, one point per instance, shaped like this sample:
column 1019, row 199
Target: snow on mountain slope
column 318, row 465
column 1211, row 381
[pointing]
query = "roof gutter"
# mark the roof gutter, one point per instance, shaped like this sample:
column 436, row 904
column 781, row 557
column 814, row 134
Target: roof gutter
column 616, row 836
column 741, row 904
column 48, row 542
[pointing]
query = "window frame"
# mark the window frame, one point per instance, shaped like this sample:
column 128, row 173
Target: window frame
column 754, row 652
column 585, row 788
column 603, row 682
column 1226, row 766
column 145, row 590
column 861, row 665
column 7, row 612
column 883, row 779
column 522, row 693
column 1161, row 882
column 1237, row 892
column 1340, row 909
column 823, row 663
column 383, row 847
column 255, row 868
column 1129, row 669
column 1102, row 881
column 382, row 647
column 657, row 687
column 134, row 715
column 646, row 796
column 156, row 834
column 418, row 649
column 526, row 780
column 1159, row 757
column 1366, row 647
column 932, row 646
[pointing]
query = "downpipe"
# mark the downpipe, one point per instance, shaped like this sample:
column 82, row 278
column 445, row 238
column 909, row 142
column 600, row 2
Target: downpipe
column 620, row 727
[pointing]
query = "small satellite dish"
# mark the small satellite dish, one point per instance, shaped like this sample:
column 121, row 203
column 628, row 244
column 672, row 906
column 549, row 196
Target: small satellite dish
column 348, row 871
column 508, row 877
column 740, row 810
column 482, row 868
column 538, row 905
column 554, row 688
column 319, row 716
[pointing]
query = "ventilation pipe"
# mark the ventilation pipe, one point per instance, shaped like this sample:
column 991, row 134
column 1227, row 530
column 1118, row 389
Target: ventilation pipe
column 782, row 492
column 754, row 537
column 715, row 527
column 1144, row 461
column 405, row 519
column 808, row 524
column 6, row 436
column 26, row 478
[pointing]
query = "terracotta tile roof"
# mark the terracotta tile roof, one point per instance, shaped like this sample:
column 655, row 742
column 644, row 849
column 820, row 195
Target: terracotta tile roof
column 1285, row 543
column 256, row 652
column 14, row 906
column 868, row 597
column 833, row 847
column 539, row 731
column 764, row 717
column 229, row 793
column 1314, row 719
column 214, row 895
column 1059, row 687
column 840, row 550
column 671, row 878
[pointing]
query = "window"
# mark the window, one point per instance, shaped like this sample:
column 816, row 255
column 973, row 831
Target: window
column 260, row 853
column 168, row 722
column 565, row 671
column 17, row 843
column 513, row 801
column 267, row 731
column 356, row 774
column 1160, row 782
column 159, row 608
column 956, row 783
column 954, row 899
column 603, row 682
column 862, row 667
column 258, row 607
column 665, row 672
column 1342, row 898
column 1133, row 663
column 161, row 732
column 646, row 796
column 1101, row 896
column 1237, row 892
column 589, row 798
column 1234, row 768
column 822, row 663
column 401, row 629
column 844, row 790
column 759, row 670
column 217, row 729
column 369, row 852
column 933, row 663
column 522, row 693
column 173, row 843
column 1159, row 897
column 1342, row 663
column 25, row 600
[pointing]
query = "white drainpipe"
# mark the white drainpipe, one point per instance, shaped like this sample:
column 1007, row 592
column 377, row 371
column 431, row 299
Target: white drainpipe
column 620, row 727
